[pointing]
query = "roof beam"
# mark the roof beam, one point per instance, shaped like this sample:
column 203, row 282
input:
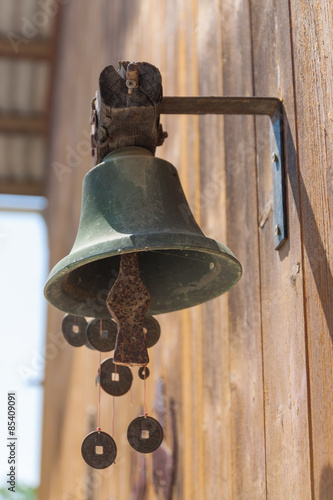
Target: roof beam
column 22, row 124
column 23, row 48
column 23, row 187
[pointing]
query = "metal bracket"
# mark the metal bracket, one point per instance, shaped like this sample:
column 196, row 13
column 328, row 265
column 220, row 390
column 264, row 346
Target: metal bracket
column 270, row 106
column 278, row 172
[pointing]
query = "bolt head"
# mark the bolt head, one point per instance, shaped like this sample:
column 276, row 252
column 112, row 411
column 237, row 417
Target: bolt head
column 277, row 230
column 275, row 158
column 131, row 84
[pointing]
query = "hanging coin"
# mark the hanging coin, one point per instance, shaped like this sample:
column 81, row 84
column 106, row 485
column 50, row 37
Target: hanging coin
column 145, row 434
column 104, row 340
column 115, row 379
column 99, row 450
column 142, row 373
column 74, row 330
column 153, row 330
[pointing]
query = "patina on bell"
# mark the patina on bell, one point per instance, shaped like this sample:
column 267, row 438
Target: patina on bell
column 134, row 202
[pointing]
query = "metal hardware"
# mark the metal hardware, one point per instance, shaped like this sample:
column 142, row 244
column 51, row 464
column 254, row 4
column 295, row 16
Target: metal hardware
column 277, row 230
column 99, row 450
column 132, row 77
column 153, row 330
column 74, row 330
column 128, row 301
column 145, row 434
column 115, row 380
column 144, row 372
column 220, row 105
column 270, row 106
column 179, row 265
column 278, row 172
column 105, row 342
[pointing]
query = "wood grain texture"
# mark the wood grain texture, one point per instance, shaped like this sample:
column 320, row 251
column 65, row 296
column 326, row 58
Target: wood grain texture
column 312, row 37
column 284, row 360
column 215, row 346
column 246, row 360
column 248, row 375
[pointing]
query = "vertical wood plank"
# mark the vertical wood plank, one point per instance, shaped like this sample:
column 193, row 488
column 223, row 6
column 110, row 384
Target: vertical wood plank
column 188, row 445
column 312, row 35
column 215, row 346
column 285, row 368
column 246, row 370
column 190, row 19
column 174, row 345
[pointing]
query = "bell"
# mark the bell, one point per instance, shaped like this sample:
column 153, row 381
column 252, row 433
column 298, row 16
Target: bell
column 134, row 202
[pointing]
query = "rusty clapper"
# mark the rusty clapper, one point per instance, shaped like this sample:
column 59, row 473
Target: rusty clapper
column 128, row 303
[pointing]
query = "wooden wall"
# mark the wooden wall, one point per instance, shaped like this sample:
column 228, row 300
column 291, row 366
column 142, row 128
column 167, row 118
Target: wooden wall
column 248, row 377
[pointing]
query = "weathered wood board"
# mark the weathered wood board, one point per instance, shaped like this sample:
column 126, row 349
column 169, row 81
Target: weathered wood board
column 246, row 363
column 247, row 377
column 312, row 37
column 284, row 341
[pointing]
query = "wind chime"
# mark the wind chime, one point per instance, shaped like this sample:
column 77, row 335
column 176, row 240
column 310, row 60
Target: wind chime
column 138, row 250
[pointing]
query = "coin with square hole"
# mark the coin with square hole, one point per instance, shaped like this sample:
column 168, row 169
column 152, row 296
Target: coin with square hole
column 99, row 450
column 116, row 380
column 145, row 434
column 152, row 330
column 74, row 330
column 142, row 371
column 104, row 340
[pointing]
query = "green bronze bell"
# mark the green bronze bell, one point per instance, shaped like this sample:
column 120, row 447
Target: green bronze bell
column 134, row 202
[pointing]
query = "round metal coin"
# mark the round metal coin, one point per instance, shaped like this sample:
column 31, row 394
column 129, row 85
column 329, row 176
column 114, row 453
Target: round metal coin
column 74, row 330
column 153, row 330
column 142, row 372
column 115, row 379
column 99, row 450
column 104, row 341
column 145, row 434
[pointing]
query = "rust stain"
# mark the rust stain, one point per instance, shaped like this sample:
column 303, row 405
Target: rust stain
column 128, row 302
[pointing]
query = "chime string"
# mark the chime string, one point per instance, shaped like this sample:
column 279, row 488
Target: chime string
column 99, row 393
column 144, row 384
column 144, row 393
column 113, row 406
column 99, row 380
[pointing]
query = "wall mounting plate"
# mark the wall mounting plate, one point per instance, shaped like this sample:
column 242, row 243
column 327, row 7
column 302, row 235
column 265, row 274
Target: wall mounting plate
column 270, row 106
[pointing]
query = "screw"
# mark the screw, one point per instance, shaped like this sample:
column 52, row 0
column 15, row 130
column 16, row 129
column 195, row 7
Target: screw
column 277, row 230
column 131, row 84
column 275, row 158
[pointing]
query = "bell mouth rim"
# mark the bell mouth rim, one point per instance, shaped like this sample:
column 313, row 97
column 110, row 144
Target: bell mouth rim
column 113, row 253
column 64, row 267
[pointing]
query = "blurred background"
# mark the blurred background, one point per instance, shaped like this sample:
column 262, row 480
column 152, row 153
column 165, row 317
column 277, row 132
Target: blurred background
column 28, row 32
